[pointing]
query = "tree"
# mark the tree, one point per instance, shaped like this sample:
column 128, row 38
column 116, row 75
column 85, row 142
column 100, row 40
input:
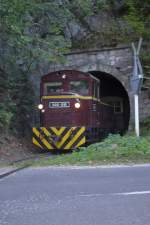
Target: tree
column 31, row 31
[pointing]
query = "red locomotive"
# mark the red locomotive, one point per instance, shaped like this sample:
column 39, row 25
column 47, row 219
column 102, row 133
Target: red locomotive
column 71, row 112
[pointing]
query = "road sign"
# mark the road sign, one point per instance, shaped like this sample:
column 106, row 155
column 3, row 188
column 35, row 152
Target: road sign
column 137, row 76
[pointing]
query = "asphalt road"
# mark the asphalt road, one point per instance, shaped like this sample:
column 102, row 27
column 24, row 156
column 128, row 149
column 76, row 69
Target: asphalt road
column 76, row 196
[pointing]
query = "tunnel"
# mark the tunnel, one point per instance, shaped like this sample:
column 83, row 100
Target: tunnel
column 114, row 96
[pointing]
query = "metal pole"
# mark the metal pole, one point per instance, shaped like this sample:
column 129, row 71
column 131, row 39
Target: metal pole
column 136, row 102
column 139, row 45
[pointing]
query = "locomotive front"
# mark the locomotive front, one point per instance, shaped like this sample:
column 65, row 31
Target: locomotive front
column 64, row 110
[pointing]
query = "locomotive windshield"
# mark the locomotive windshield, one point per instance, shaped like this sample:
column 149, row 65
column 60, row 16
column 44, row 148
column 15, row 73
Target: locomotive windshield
column 80, row 87
column 53, row 87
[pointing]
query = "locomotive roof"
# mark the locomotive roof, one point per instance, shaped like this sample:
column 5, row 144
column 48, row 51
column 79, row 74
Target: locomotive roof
column 73, row 72
column 95, row 78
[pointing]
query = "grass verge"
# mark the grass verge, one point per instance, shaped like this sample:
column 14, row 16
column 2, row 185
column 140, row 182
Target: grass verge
column 114, row 149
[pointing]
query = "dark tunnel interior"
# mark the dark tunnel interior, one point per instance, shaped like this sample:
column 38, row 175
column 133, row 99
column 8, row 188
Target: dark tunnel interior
column 113, row 93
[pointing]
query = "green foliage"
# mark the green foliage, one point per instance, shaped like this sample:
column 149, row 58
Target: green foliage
column 31, row 33
column 23, row 98
column 145, row 124
column 135, row 18
column 33, row 23
column 84, row 6
column 5, row 118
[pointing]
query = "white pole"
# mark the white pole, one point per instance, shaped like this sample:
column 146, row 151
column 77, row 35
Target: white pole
column 136, row 101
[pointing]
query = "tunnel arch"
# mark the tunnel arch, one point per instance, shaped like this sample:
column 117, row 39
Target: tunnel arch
column 113, row 92
column 96, row 66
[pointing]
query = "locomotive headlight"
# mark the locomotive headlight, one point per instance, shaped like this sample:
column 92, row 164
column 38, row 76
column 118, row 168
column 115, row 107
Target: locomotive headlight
column 40, row 106
column 77, row 105
column 64, row 76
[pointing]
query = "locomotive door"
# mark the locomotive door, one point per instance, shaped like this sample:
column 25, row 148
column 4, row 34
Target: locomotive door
column 117, row 114
column 95, row 105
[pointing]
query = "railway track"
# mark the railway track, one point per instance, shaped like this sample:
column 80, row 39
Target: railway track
column 14, row 166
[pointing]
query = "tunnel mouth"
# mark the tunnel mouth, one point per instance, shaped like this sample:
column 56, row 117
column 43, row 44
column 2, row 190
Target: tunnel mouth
column 114, row 94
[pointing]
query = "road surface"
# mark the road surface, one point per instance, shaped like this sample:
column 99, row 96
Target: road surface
column 76, row 196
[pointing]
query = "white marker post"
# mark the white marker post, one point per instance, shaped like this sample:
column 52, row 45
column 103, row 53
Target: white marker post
column 136, row 108
column 136, row 83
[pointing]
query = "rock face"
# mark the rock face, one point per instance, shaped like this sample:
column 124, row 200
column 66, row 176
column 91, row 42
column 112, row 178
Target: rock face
column 117, row 62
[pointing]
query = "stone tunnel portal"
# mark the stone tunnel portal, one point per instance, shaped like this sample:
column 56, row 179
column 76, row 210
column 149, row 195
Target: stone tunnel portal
column 113, row 96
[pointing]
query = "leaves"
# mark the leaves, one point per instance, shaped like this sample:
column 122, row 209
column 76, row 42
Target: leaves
column 31, row 32
column 137, row 17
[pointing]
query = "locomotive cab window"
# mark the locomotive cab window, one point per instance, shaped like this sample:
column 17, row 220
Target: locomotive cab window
column 80, row 87
column 53, row 87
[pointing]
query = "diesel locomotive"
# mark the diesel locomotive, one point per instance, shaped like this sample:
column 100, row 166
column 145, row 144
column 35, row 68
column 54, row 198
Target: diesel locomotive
column 71, row 112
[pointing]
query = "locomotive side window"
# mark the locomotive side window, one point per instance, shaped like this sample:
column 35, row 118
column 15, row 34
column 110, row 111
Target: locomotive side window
column 115, row 102
column 52, row 87
column 80, row 86
column 117, row 106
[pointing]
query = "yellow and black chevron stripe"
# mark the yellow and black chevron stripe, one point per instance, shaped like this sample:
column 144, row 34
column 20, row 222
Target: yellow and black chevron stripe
column 63, row 138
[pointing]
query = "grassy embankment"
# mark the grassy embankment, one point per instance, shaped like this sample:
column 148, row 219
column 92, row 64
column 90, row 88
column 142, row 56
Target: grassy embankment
column 114, row 149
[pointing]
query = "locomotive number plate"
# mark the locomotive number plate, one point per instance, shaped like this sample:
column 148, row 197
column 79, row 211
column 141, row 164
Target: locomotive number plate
column 59, row 104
